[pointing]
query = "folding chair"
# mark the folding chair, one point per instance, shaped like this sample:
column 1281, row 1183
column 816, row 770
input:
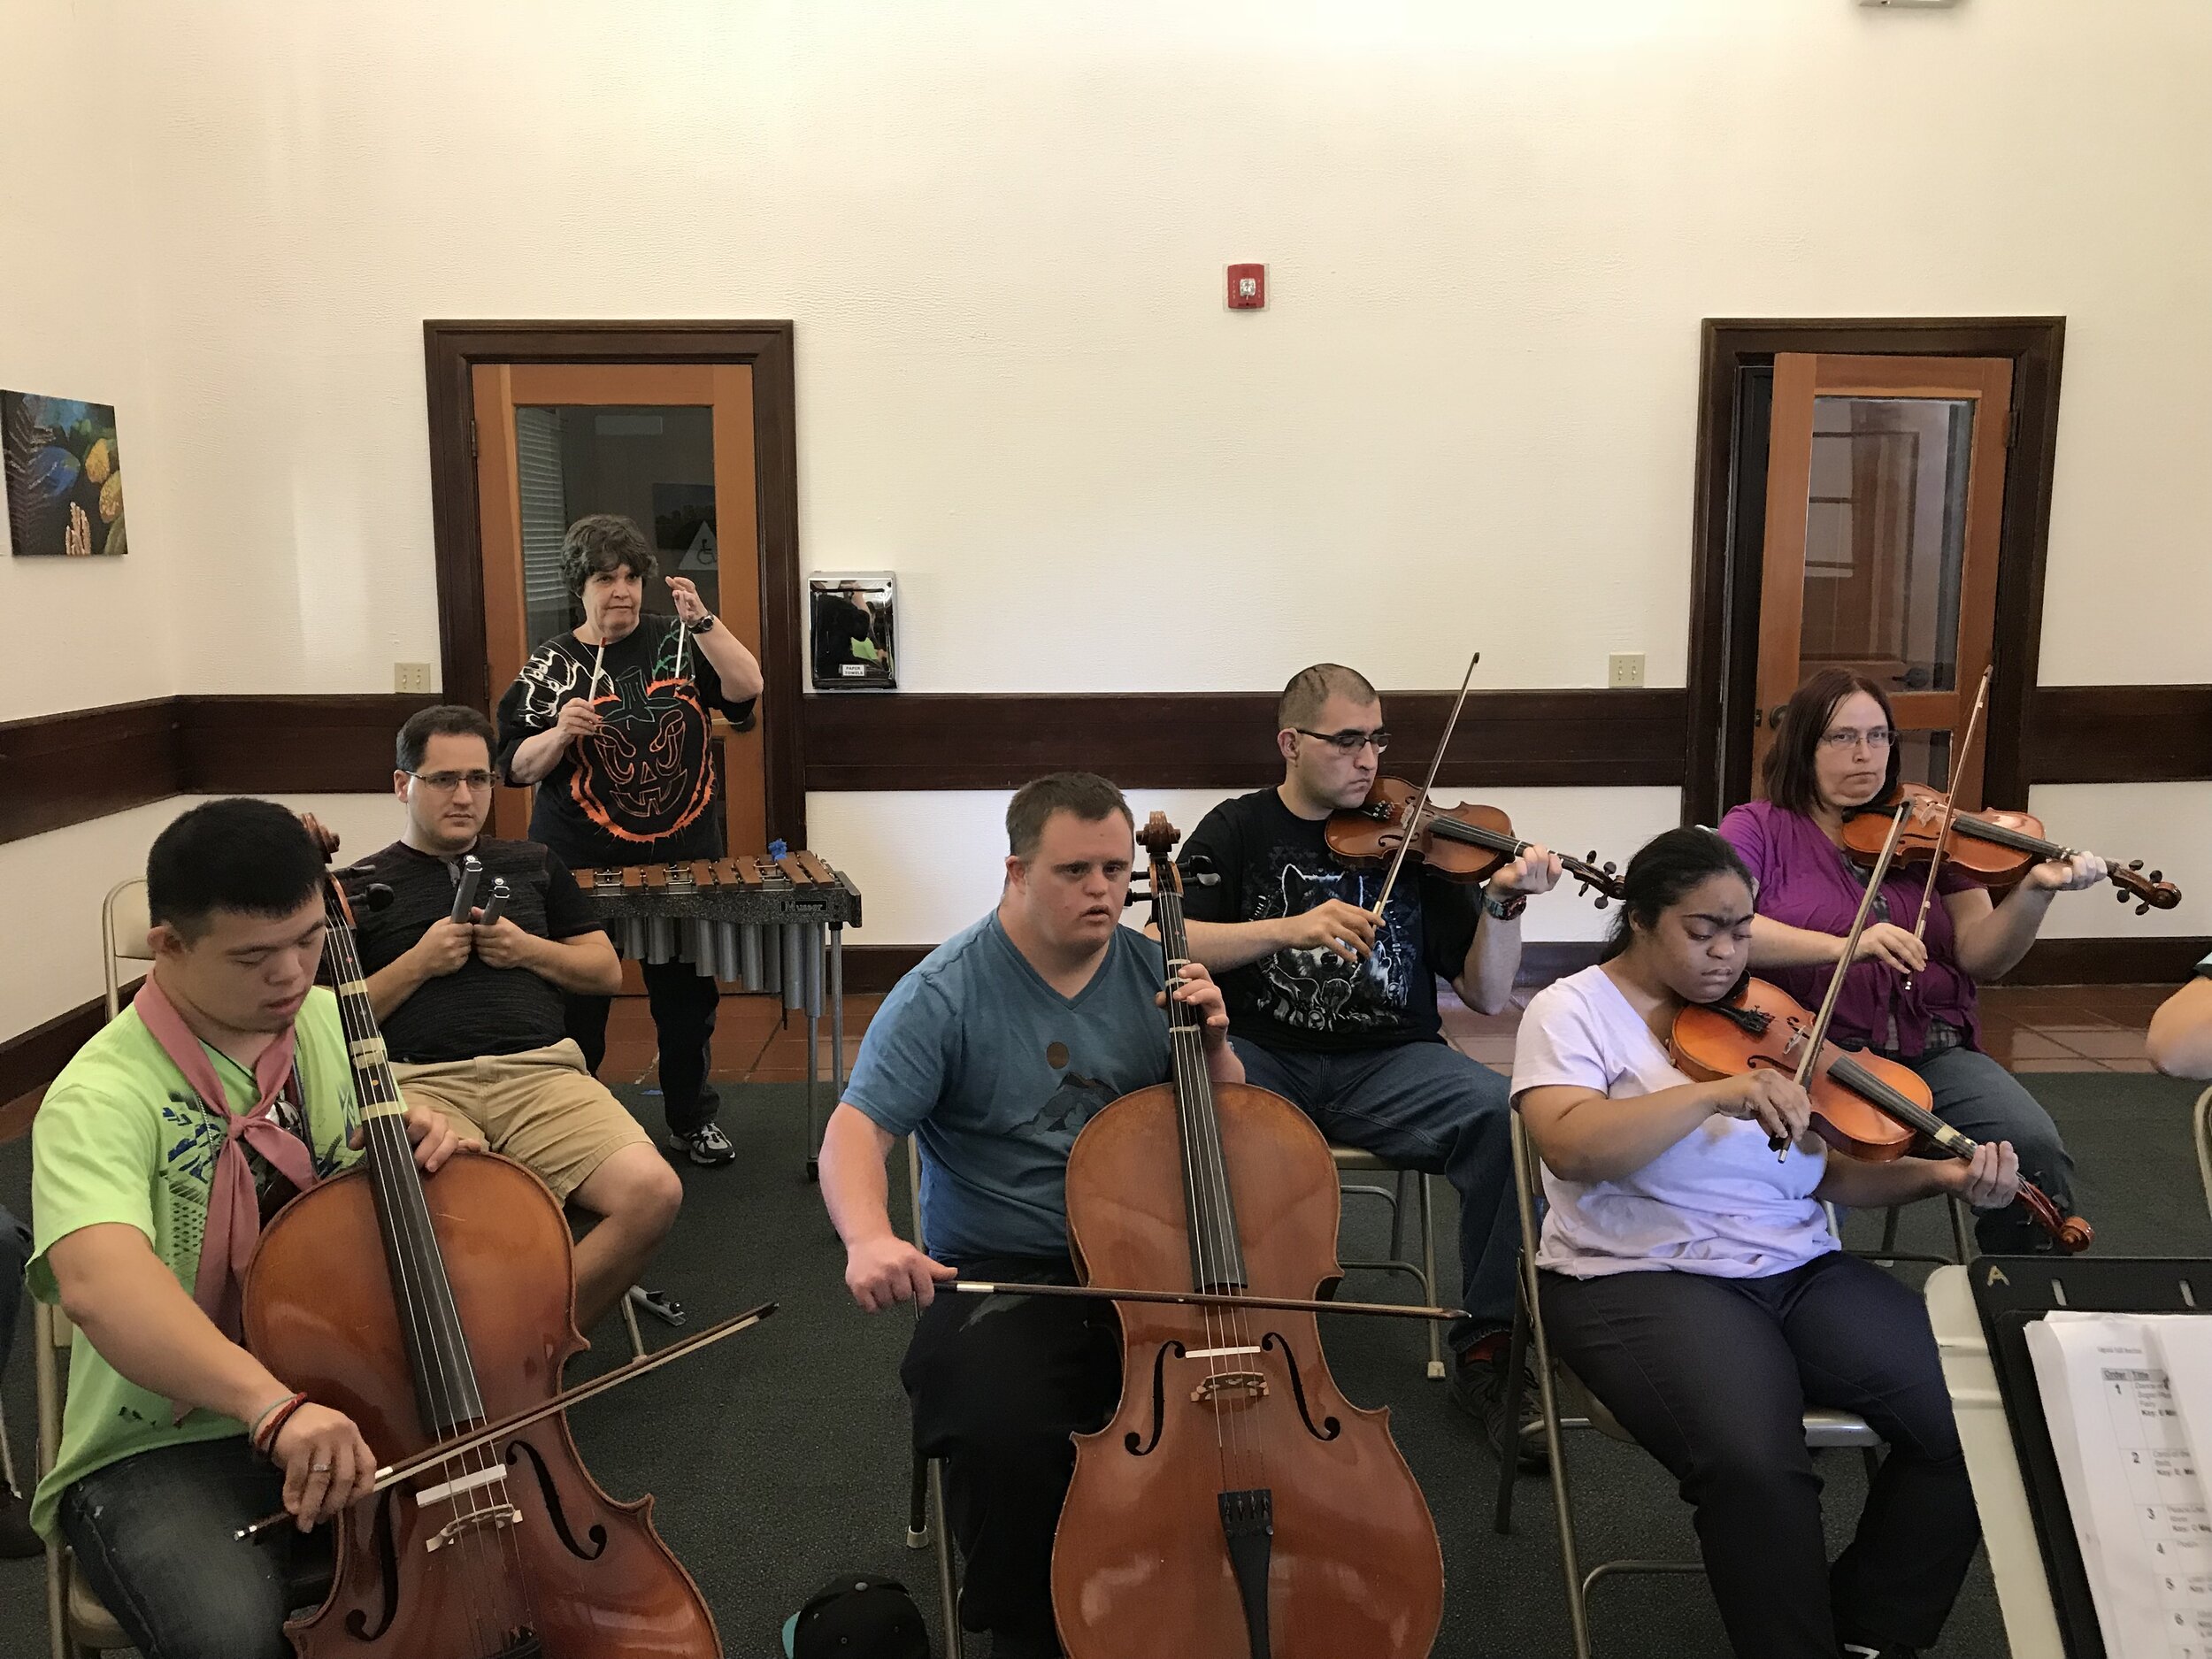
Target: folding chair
column 1422, row 1273
column 77, row 1626
column 1567, row 1404
column 925, row 1500
column 1887, row 1253
column 2204, row 1142
column 124, row 924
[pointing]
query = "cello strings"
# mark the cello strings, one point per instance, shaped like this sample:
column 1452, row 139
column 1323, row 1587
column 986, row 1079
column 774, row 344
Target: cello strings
column 419, row 1259
column 391, row 1159
column 1188, row 1039
column 1168, row 908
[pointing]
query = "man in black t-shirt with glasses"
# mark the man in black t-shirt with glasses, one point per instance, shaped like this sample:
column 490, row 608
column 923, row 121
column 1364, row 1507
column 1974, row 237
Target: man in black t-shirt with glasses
column 1338, row 1013
column 473, row 1013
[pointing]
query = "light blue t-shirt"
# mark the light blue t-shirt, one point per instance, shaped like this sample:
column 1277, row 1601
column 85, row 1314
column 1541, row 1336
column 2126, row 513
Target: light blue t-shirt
column 996, row 1072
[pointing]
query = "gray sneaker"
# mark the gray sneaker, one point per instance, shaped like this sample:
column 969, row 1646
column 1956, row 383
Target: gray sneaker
column 706, row 1145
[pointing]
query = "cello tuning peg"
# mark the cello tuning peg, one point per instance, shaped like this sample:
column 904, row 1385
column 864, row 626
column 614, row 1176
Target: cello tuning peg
column 2158, row 875
column 2135, row 864
column 2143, row 908
column 1603, row 901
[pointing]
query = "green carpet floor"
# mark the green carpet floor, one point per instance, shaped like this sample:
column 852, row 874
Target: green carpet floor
column 779, row 1457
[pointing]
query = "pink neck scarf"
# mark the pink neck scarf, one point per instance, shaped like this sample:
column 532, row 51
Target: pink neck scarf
column 233, row 1209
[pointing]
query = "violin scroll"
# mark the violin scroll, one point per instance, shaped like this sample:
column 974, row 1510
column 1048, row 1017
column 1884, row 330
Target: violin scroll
column 2151, row 891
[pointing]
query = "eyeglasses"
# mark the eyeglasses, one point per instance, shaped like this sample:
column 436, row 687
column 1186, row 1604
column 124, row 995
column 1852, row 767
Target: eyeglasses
column 1349, row 743
column 447, row 782
column 1879, row 737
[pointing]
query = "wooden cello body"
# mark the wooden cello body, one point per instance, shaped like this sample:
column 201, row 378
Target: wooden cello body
column 1236, row 1504
column 421, row 1308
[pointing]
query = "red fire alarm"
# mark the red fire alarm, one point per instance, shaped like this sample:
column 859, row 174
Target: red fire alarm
column 1248, row 287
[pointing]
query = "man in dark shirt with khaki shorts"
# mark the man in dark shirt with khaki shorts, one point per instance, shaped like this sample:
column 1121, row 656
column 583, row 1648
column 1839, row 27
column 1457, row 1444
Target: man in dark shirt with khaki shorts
column 472, row 1014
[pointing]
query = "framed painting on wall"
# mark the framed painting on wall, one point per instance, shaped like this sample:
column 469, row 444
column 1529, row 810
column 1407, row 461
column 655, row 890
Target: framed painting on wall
column 64, row 477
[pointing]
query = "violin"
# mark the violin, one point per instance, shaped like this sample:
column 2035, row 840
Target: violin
column 1460, row 843
column 1992, row 853
column 1236, row 1503
column 437, row 1314
column 1865, row 1106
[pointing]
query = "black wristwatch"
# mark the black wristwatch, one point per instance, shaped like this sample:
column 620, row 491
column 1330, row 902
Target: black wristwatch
column 704, row 625
column 1506, row 909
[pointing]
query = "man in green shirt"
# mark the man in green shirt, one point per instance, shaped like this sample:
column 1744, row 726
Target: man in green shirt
column 128, row 1174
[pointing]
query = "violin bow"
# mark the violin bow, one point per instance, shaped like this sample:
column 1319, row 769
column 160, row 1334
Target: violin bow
column 472, row 1439
column 1421, row 801
column 1818, row 1040
column 1950, row 808
column 1201, row 1299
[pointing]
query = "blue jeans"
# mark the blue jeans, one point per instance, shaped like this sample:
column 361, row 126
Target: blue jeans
column 1430, row 1108
column 153, row 1539
column 1980, row 1099
column 1712, row 1376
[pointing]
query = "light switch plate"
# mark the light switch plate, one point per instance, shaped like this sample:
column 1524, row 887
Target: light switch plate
column 1625, row 668
column 414, row 677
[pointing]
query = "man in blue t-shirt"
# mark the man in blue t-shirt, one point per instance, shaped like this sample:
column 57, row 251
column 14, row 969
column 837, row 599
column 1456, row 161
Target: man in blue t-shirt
column 994, row 1053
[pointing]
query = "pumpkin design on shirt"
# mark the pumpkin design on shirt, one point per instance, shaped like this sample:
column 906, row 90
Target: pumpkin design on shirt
column 648, row 772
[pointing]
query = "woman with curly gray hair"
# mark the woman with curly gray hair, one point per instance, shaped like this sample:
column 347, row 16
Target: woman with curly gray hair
column 613, row 721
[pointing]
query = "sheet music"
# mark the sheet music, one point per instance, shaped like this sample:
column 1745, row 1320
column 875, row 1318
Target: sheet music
column 2128, row 1399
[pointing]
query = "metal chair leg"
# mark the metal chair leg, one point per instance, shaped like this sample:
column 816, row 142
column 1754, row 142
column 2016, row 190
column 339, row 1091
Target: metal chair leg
column 1428, row 1279
column 1570, row 1553
column 917, row 1517
column 948, row 1585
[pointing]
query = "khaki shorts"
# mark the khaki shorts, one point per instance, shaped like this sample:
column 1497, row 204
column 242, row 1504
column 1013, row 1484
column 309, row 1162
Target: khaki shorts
column 540, row 1108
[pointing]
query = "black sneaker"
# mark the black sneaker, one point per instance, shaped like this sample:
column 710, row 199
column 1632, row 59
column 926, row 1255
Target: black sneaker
column 707, row 1146
column 1478, row 1384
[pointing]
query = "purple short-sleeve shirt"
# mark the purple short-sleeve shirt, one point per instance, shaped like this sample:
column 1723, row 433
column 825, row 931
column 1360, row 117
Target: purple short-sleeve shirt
column 1803, row 882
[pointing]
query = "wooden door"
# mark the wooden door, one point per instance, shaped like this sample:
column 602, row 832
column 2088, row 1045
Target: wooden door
column 1885, row 503
column 669, row 445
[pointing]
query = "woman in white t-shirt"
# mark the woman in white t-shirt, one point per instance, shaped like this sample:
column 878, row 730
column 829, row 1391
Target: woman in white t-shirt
column 1689, row 1279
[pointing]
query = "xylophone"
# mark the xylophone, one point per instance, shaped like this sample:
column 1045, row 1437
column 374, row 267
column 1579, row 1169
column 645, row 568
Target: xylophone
column 773, row 925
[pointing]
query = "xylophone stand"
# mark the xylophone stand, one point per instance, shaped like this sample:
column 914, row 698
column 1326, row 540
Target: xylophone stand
column 834, row 951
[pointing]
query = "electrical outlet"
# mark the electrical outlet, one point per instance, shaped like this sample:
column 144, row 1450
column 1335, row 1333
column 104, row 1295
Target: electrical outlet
column 1625, row 668
column 416, row 677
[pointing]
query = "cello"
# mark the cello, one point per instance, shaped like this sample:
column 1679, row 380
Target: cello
column 437, row 1314
column 1235, row 1504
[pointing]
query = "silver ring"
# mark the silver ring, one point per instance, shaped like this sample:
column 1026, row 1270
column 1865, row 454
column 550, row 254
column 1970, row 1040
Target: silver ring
column 319, row 1469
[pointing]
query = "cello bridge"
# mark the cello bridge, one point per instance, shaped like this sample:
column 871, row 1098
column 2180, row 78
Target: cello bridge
column 1218, row 1389
column 501, row 1514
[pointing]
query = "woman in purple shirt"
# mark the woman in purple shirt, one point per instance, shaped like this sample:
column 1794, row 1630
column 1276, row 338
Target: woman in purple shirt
column 1912, row 1000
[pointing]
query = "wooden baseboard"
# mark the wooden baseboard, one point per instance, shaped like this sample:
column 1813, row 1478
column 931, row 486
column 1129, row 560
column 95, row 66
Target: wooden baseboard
column 2159, row 959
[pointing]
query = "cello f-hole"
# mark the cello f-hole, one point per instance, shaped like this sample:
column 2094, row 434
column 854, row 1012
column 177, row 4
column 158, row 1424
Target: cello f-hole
column 1167, row 1350
column 1329, row 1427
column 596, row 1534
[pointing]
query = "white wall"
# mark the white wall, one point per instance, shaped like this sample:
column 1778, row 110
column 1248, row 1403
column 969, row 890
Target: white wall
column 883, row 840
column 1466, row 417
column 54, row 882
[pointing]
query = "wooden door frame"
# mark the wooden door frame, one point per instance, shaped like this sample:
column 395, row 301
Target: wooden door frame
column 451, row 350
column 1727, row 534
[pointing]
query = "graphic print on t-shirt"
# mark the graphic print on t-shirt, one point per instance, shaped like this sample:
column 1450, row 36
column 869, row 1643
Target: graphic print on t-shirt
column 646, row 774
column 1315, row 989
column 1066, row 1109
